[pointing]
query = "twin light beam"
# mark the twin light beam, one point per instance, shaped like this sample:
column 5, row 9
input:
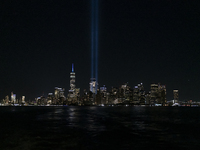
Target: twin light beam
column 94, row 39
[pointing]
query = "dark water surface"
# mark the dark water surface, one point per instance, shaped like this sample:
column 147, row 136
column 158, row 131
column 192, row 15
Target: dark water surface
column 99, row 128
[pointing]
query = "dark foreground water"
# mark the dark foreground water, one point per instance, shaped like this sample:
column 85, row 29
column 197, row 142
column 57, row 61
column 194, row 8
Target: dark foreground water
column 99, row 128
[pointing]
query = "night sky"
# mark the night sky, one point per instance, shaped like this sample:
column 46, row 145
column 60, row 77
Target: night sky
column 139, row 41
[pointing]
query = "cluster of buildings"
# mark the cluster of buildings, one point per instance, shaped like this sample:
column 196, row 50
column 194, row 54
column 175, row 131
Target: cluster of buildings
column 12, row 100
column 73, row 97
column 123, row 95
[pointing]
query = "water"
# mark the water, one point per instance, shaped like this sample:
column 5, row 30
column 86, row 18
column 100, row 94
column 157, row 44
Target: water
column 99, row 128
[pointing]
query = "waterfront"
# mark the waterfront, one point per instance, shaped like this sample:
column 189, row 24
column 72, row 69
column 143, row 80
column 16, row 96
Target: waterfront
column 93, row 127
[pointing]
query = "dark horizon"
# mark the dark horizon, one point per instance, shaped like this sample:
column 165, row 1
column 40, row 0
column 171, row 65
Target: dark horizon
column 144, row 41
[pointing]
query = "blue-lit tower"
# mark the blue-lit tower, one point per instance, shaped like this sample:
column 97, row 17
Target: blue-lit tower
column 74, row 93
column 72, row 83
column 94, row 46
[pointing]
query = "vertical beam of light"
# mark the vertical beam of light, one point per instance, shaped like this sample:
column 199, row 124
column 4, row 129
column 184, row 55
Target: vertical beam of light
column 92, row 39
column 96, row 40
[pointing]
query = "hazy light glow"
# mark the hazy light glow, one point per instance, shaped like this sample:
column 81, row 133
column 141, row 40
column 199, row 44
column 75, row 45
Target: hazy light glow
column 94, row 39
column 72, row 67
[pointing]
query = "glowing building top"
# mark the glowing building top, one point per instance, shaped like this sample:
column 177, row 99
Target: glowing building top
column 93, row 85
column 72, row 67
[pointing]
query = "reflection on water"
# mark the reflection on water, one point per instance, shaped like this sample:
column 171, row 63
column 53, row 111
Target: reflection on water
column 99, row 127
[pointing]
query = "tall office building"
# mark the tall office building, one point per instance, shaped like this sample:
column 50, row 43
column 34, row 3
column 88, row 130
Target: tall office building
column 72, row 79
column 13, row 97
column 139, row 94
column 56, row 93
column 158, row 94
column 154, row 94
column 7, row 100
column 23, row 99
column 162, row 94
column 59, row 96
column 93, row 85
column 126, row 93
column 136, row 95
column 74, row 93
column 50, row 98
column 176, row 98
column 103, row 90
column 72, row 84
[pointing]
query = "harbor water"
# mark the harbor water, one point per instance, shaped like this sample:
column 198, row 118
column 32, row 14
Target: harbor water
column 92, row 127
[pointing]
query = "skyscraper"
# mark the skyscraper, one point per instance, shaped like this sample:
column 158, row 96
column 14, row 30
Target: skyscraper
column 59, row 96
column 23, row 99
column 176, row 98
column 72, row 84
column 73, row 92
column 13, row 97
column 154, row 94
column 93, row 85
column 158, row 94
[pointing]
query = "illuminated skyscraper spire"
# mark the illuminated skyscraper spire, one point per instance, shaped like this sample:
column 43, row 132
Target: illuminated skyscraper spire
column 72, row 67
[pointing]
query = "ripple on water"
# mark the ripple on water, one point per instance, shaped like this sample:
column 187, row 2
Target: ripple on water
column 100, row 127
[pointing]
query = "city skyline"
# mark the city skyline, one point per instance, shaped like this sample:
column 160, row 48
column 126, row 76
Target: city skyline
column 139, row 42
column 135, row 95
column 74, row 92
